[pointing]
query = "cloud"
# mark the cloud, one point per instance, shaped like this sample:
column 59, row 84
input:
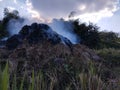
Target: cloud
column 111, row 24
column 45, row 10
column 12, row 4
column 96, row 16
column 23, row 6
column 87, row 8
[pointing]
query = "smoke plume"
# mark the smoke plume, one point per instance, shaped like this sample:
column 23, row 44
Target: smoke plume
column 15, row 25
column 64, row 28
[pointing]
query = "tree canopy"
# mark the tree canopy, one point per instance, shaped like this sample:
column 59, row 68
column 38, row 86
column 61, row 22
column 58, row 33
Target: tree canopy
column 88, row 33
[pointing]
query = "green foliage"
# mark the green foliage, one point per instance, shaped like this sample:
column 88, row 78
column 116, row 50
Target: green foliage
column 4, row 79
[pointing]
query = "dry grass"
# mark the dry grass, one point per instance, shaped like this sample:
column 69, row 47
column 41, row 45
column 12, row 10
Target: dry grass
column 48, row 67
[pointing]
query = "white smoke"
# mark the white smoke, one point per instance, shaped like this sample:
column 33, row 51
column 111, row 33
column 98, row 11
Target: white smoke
column 64, row 28
column 15, row 25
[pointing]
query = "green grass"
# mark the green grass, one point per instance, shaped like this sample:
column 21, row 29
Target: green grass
column 4, row 79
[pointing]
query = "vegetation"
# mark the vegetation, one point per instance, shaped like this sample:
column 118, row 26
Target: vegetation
column 47, row 67
column 111, row 58
column 50, row 81
column 43, row 66
column 88, row 34
column 109, row 40
column 93, row 38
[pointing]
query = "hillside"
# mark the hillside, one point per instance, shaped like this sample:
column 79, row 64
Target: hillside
column 55, row 62
column 39, row 59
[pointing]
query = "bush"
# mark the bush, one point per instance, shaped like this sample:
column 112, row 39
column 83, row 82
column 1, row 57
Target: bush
column 109, row 40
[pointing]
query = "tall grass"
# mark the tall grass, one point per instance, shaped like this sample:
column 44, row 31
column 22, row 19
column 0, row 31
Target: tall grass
column 50, row 81
column 14, row 85
column 4, row 78
column 31, row 87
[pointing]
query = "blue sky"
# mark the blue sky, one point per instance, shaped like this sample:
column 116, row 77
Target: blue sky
column 105, row 13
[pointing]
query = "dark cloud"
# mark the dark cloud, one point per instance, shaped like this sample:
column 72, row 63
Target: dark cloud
column 62, row 8
column 54, row 8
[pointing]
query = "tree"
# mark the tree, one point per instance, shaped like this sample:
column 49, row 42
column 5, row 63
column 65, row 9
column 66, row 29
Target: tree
column 4, row 22
column 88, row 33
